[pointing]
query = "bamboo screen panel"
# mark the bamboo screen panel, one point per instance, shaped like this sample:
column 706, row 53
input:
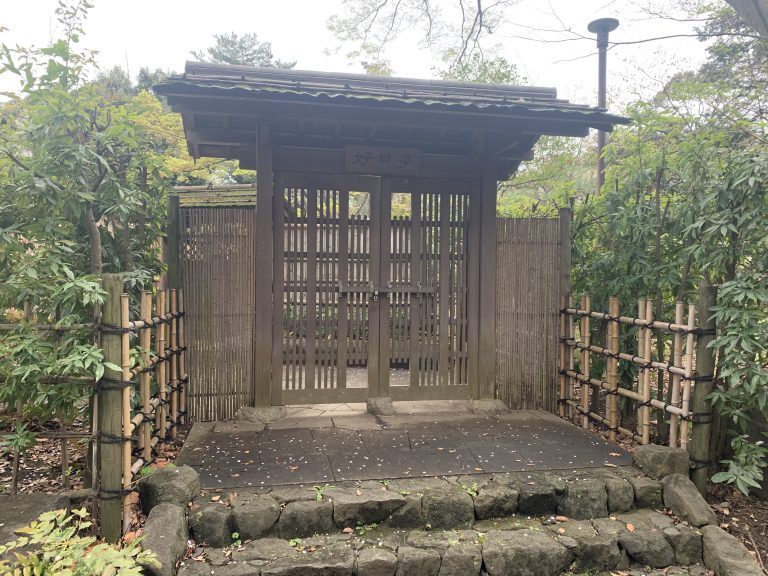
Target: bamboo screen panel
column 218, row 256
column 527, row 302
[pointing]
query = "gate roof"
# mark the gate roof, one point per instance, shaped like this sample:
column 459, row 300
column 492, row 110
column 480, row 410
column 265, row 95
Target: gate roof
column 223, row 106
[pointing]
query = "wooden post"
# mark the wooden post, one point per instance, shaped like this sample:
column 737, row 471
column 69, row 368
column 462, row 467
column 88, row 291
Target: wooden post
column 613, row 366
column 145, row 336
column 487, row 327
column 172, row 250
column 125, row 365
column 262, row 350
column 705, row 368
column 564, row 318
column 565, row 252
column 586, row 305
column 110, row 417
column 647, row 341
column 677, row 360
column 174, row 368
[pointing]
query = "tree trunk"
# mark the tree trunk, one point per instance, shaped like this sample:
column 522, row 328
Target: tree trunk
column 94, row 239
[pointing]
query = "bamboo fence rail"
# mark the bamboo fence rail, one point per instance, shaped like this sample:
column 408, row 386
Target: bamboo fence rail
column 582, row 390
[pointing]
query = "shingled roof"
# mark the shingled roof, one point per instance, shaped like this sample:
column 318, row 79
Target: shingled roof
column 433, row 114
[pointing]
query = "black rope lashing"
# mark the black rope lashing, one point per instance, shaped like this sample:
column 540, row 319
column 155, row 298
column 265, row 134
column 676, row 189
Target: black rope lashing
column 114, row 329
column 105, row 383
column 107, row 438
column 699, row 464
column 104, row 494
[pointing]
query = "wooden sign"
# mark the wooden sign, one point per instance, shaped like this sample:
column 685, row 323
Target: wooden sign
column 380, row 160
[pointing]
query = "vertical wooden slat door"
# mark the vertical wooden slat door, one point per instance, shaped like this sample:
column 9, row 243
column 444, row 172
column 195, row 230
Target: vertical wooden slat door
column 321, row 331
column 371, row 288
column 428, row 288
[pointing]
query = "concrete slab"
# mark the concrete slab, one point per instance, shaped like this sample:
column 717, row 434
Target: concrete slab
column 314, row 420
column 403, row 464
column 365, row 447
column 357, row 422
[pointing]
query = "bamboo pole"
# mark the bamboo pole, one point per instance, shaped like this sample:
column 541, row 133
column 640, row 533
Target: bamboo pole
column 110, row 415
column 125, row 355
column 655, row 324
column 631, row 394
column 641, row 335
column 564, row 318
column 174, row 368
column 613, row 367
column 603, row 420
column 585, row 357
column 145, row 341
column 160, row 371
column 677, row 360
column 647, row 351
column 686, row 400
column 183, row 376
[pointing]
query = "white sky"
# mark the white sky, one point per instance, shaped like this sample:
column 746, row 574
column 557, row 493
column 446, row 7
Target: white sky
column 161, row 34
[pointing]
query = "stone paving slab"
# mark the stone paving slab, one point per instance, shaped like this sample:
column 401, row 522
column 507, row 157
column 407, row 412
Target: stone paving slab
column 399, row 464
column 22, row 509
column 366, row 447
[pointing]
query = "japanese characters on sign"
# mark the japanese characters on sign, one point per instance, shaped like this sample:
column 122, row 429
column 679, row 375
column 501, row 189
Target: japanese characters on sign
column 380, row 160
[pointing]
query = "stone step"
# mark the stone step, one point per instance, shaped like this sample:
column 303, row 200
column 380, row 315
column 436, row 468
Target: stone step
column 516, row 545
column 538, row 524
column 433, row 503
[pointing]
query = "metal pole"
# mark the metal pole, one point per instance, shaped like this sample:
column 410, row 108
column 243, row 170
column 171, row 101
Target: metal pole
column 602, row 28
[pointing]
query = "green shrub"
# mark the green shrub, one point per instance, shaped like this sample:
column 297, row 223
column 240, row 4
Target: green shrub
column 57, row 544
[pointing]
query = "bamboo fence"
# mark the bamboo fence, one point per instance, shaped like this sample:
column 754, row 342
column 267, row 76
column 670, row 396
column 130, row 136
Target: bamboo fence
column 127, row 438
column 527, row 293
column 156, row 385
column 657, row 386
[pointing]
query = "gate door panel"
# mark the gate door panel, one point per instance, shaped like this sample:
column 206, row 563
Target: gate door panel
column 371, row 292
column 323, row 279
column 427, row 294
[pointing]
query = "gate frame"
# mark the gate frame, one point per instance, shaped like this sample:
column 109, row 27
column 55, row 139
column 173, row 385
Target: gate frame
column 291, row 120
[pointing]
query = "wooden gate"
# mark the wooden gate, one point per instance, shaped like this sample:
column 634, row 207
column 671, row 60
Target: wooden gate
column 371, row 288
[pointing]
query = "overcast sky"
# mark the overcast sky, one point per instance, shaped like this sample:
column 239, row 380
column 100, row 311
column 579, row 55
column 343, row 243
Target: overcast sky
column 161, row 34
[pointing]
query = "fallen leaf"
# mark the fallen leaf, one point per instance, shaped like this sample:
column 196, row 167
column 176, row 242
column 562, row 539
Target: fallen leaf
column 562, row 518
column 129, row 537
column 293, row 468
column 615, row 454
column 561, row 530
column 358, row 492
column 348, row 530
column 235, row 475
column 215, row 498
column 631, row 527
column 611, row 465
column 478, row 469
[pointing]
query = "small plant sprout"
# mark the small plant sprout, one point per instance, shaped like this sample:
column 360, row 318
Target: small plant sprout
column 471, row 490
column 236, row 540
column 320, row 491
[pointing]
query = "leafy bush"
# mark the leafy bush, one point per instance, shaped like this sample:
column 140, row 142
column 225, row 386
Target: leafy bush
column 57, row 545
